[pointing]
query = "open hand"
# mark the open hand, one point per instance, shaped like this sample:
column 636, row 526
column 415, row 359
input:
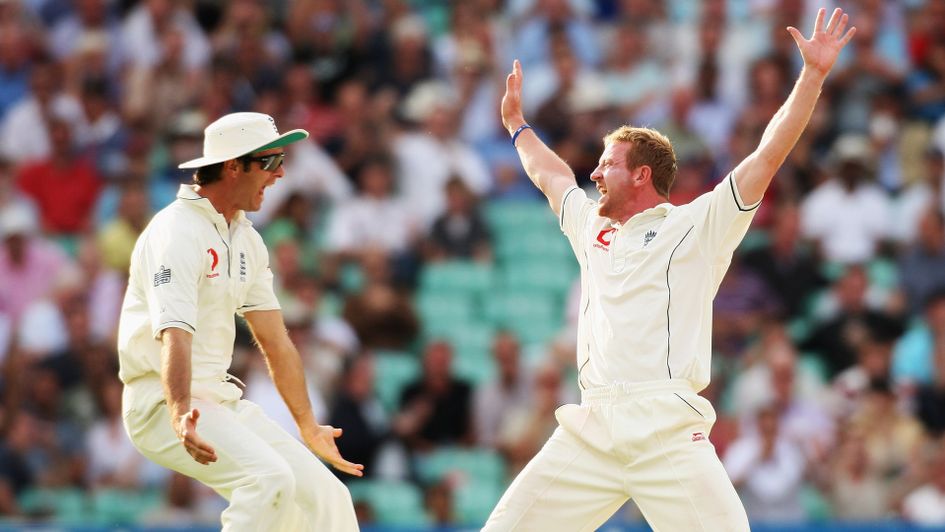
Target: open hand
column 321, row 440
column 512, row 116
column 821, row 50
column 186, row 428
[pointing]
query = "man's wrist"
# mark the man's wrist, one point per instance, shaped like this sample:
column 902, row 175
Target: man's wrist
column 813, row 75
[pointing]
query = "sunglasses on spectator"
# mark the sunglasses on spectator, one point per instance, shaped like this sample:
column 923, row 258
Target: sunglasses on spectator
column 269, row 163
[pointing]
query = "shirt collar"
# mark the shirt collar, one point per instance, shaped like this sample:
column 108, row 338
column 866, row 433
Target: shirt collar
column 190, row 196
column 658, row 211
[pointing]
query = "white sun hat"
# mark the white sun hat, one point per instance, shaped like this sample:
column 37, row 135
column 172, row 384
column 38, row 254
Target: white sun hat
column 238, row 134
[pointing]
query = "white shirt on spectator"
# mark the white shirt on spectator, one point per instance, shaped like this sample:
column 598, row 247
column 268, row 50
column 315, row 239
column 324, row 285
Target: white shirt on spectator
column 366, row 222
column 925, row 506
column 849, row 226
column 23, row 133
column 771, row 489
column 143, row 45
column 425, row 164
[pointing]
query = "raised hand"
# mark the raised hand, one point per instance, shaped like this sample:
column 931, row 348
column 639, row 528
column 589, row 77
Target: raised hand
column 321, row 440
column 186, row 427
column 512, row 116
column 821, row 50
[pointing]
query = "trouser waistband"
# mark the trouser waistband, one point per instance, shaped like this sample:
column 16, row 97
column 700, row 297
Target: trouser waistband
column 630, row 390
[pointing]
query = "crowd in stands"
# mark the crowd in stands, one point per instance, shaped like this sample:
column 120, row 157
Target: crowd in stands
column 422, row 276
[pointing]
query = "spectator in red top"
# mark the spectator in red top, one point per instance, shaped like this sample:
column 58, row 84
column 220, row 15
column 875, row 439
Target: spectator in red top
column 64, row 186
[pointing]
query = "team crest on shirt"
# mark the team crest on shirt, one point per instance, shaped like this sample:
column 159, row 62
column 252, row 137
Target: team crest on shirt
column 648, row 237
column 215, row 259
column 163, row 276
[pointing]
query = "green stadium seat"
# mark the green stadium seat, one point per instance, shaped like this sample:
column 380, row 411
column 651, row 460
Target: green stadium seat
column 65, row 505
column 455, row 277
column 394, row 503
column 120, row 507
column 540, row 274
column 509, row 216
column 474, row 501
column 472, row 465
column 393, row 371
column 456, row 305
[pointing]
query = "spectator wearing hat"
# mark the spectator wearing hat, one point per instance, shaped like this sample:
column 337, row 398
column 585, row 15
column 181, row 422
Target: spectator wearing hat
column 848, row 216
column 29, row 263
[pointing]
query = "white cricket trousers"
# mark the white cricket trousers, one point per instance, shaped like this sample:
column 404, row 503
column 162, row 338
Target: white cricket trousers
column 271, row 480
column 644, row 441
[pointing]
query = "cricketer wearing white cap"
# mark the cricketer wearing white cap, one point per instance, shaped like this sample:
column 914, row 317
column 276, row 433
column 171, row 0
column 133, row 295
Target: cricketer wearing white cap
column 197, row 263
column 649, row 273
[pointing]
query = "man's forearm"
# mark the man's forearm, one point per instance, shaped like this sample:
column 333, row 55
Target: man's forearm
column 780, row 137
column 546, row 170
column 175, row 370
column 288, row 374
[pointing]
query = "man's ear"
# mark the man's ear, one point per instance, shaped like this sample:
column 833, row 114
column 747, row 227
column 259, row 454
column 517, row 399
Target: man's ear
column 231, row 167
column 643, row 176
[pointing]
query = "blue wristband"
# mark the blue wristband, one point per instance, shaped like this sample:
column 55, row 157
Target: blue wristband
column 518, row 132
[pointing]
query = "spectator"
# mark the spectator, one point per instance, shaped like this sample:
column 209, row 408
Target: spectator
column 381, row 314
column 913, row 357
column 150, row 21
column 509, row 391
column 64, row 186
column 14, row 67
column 28, row 262
column 357, row 411
column 930, row 399
column 768, row 471
column 460, row 232
column 921, row 196
column 926, row 504
column 24, row 131
column 526, row 428
column 437, row 406
column 428, row 156
column 836, row 339
column 375, row 219
column 113, row 460
column 922, row 265
column 847, row 216
column 789, row 271
column 116, row 239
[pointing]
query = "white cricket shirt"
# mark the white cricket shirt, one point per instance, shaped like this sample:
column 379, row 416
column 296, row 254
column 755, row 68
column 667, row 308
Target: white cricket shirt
column 647, row 285
column 192, row 271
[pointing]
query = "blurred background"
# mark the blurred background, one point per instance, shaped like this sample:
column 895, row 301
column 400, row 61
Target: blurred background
column 423, row 278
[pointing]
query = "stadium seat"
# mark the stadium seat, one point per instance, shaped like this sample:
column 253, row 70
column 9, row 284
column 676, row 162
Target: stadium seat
column 393, row 371
column 456, row 276
column 395, row 503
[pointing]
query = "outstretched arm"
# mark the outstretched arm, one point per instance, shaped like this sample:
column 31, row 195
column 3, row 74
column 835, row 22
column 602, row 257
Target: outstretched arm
column 549, row 173
column 285, row 368
column 820, row 52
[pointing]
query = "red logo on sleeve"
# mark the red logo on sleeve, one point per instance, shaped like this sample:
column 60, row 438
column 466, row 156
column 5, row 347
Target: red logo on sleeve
column 213, row 265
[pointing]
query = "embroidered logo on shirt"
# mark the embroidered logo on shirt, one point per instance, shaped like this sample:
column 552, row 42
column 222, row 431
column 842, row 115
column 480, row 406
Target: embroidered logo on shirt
column 648, row 237
column 242, row 266
column 163, row 276
column 213, row 265
column 698, row 436
column 604, row 238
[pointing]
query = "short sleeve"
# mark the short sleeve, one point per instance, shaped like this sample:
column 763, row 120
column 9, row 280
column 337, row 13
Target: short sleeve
column 722, row 219
column 261, row 295
column 576, row 209
column 170, row 271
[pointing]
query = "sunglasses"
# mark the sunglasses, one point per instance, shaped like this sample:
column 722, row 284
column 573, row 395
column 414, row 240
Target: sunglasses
column 269, row 163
